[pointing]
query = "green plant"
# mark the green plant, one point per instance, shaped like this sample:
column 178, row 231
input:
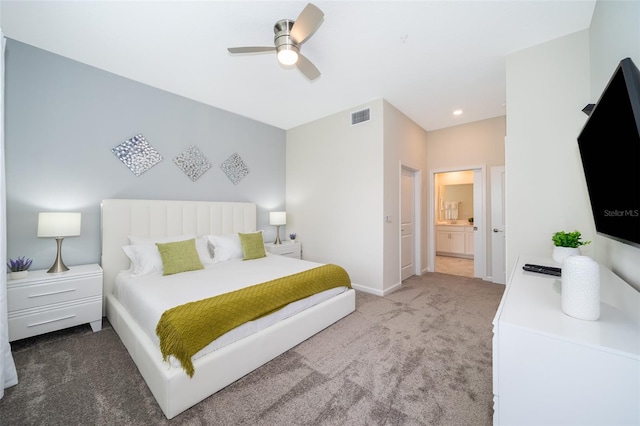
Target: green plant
column 20, row 264
column 568, row 239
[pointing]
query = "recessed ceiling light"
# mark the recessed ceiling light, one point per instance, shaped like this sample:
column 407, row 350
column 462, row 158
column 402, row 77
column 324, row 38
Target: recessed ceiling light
column 457, row 112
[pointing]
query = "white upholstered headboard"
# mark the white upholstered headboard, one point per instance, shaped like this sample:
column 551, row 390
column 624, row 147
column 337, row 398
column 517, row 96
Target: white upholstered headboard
column 161, row 218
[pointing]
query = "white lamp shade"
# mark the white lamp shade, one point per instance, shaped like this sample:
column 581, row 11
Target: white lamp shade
column 278, row 218
column 59, row 224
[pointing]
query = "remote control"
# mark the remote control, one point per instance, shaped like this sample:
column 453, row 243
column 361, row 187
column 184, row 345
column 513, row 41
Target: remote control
column 548, row 270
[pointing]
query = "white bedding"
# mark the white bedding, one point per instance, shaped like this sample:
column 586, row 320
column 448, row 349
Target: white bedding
column 147, row 297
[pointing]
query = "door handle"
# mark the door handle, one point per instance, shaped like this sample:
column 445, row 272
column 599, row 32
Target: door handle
column 496, row 230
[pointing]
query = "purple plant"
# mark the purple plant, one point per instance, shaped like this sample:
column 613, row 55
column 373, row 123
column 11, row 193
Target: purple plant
column 20, row 264
column 292, row 235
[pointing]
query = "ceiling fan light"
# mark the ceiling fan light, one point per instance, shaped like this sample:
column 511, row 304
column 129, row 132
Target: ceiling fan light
column 287, row 56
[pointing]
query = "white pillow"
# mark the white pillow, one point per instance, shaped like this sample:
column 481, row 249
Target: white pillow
column 145, row 257
column 203, row 251
column 226, row 247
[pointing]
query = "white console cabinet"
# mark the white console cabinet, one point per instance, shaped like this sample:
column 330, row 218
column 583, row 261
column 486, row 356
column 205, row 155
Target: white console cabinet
column 553, row 369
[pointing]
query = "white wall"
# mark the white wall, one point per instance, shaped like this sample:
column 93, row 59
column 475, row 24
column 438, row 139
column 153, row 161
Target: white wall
column 547, row 86
column 334, row 197
column 405, row 144
column 614, row 35
column 343, row 180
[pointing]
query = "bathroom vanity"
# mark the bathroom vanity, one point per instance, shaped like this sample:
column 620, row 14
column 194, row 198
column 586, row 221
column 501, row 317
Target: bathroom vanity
column 454, row 239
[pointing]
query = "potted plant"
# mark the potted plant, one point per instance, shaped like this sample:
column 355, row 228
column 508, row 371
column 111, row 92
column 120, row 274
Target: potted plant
column 19, row 268
column 292, row 237
column 566, row 244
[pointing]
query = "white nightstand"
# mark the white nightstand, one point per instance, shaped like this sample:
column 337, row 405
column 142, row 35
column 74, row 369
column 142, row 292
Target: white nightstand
column 43, row 302
column 287, row 248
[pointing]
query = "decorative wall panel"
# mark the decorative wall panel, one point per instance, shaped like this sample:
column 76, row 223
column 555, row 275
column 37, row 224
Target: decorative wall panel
column 192, row 162
column 137, row 154
column 235, row 168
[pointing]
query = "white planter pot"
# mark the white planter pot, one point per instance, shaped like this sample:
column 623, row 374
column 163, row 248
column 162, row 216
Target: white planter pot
column 561, row 253
column 18, row 275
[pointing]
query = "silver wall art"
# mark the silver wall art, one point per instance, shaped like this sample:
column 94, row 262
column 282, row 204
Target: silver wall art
column 137, row 154
column 235, row 168
column 192, row 162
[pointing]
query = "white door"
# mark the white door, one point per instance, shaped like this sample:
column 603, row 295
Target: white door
column 407, row 225
column 498, row 226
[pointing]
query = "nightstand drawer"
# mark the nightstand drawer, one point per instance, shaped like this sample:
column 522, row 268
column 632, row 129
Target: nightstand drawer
column 291, row 252
column 287, row 249
column 33, row 294
column 31, row 322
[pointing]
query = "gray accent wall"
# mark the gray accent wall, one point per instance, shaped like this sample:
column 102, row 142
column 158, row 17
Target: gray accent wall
column 62, row 119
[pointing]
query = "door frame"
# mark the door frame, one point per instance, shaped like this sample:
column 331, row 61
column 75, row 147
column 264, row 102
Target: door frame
column 497, row 203
column 480, row 267
column 417, row 218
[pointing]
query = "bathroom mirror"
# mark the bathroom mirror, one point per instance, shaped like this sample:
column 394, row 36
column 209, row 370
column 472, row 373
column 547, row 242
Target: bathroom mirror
column 460, row 193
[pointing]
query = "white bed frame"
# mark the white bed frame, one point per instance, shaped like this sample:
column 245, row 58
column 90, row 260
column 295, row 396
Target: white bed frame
column 171, row 386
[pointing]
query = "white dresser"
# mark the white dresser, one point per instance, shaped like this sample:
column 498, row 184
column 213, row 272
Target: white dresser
column 553, row 369
column 287, row 248
column 43, row 302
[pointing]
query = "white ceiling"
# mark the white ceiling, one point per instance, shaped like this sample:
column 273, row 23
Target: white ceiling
column 427, row 58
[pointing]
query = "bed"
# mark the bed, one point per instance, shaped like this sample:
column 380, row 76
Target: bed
column 217, row 365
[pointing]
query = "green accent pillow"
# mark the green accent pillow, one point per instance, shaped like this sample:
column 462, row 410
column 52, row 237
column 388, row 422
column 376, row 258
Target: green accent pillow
column 252, row 245
column 179, row 256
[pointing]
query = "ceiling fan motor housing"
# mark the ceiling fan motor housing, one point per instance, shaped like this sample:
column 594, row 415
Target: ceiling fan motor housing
column 282, row 39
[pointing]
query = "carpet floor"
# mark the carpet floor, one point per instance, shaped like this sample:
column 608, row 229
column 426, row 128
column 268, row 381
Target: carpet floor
column 419, row 356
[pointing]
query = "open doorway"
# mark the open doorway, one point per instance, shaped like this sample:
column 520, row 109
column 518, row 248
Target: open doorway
column 458, row 240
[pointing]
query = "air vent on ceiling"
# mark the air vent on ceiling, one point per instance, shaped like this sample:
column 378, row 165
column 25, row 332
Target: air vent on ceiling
column 360, row 116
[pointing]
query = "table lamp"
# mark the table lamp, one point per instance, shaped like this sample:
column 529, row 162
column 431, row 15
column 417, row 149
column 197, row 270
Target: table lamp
column 58, row 225
column 278, row 219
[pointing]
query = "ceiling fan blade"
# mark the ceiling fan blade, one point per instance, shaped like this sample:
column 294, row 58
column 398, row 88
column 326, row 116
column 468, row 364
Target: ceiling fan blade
column 251, row 49
column 307, row 23
column 307, row 68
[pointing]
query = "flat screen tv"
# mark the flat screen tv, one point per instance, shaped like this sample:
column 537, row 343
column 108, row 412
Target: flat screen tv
column 609, row 146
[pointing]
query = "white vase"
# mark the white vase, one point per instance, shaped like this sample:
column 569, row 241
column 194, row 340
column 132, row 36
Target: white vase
column 581, row 288
column 17, row 275
column 561, row 253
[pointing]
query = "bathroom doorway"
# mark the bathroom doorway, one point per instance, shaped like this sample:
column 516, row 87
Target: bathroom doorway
column 457, row 222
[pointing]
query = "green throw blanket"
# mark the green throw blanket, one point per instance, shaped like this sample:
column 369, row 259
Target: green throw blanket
column 186, row 329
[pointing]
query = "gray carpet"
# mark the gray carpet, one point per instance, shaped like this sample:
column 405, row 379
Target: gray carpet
column 420, row 356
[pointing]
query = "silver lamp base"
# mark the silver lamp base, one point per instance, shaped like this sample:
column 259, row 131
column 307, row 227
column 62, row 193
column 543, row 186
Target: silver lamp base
column 277, row 241
column 58, row 265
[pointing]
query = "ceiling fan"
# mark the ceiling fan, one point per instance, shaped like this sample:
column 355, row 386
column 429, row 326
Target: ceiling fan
column 289, row 36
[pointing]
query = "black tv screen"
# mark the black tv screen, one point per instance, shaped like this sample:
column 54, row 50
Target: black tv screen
column 609, row 146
